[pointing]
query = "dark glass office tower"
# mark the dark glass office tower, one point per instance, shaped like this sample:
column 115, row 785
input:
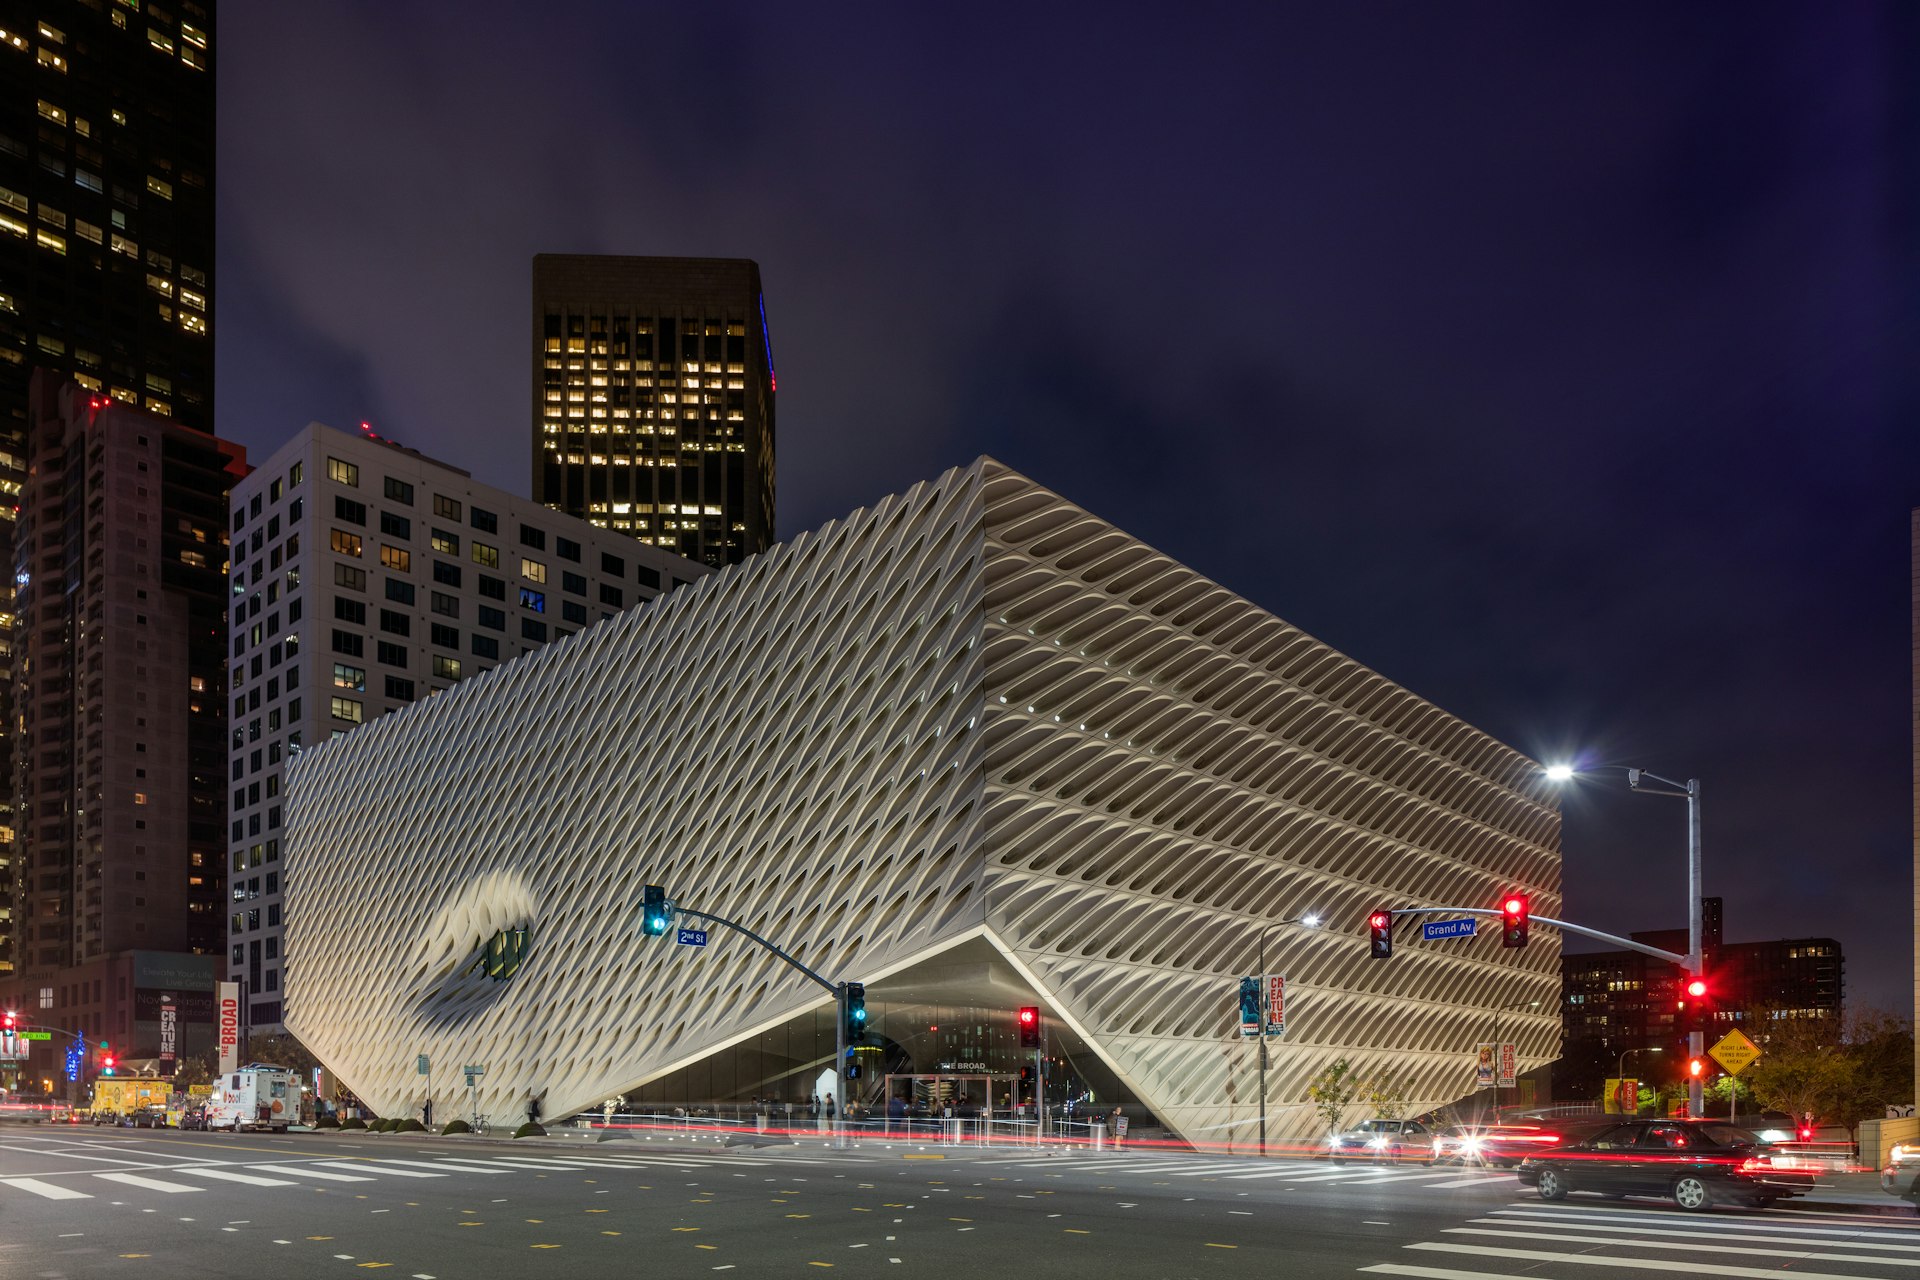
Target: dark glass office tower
column 106, row 241
column 653, row 388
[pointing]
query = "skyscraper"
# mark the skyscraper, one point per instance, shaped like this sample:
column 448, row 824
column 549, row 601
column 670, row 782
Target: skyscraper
column 653, row 392
column 106, row 233
column 119, row 773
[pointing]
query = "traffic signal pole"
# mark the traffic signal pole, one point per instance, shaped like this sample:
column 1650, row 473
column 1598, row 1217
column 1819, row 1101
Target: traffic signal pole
column 838, row 990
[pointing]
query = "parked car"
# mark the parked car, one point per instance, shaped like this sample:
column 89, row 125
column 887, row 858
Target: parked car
column 1501, row 1146
column 154, row 1117
column 194, row 1117
column 1695, row 1163
column 1384, row 1140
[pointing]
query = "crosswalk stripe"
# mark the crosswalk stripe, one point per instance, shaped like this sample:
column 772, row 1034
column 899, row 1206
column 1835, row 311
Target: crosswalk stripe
column 538, row 1165
column 448, row 1166
column 152, row 1184
column 1429, row 1273
column 1706, row 1230
column 377, row 1166
column 1681, row 1246
column 1575, row 1214
column 229, row 1175
column 1651, row 1264
column 1481, row 1180
column 304, row 1172
column 50, row 1190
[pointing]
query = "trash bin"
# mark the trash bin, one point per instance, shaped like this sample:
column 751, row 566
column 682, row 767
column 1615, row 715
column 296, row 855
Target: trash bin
column 1099, row 1128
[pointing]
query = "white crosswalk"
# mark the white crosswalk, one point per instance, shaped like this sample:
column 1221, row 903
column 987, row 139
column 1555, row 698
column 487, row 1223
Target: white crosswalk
column 1251, row 1169
column 1586, row 1242
column 178, row 1177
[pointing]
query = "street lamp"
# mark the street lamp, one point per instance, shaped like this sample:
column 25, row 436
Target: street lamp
column 1620, row 1071
column 1638, row 780
column 1311, row 920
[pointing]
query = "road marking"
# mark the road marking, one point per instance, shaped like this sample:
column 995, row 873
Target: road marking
column 1705, row 1230
column 1652, row 1264
column 1717, row 1246
column 1474, row 1182
column 152, row 1184
column 302, row 1171
column 228, row 1175
column 377, row 1167
column 47, row 1189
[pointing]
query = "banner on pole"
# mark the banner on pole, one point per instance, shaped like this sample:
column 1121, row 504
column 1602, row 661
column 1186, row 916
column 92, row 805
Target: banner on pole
column 1509, row 1061
column 229, row 1027
column 1483, row 1066
column 1276, row 1004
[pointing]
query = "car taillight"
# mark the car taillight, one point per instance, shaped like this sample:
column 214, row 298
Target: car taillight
column 1756, row 1164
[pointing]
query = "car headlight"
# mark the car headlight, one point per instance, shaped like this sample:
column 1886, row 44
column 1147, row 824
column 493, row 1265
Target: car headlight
column 1471, row 1146
column 1378, row 1142
column 1901, row 1151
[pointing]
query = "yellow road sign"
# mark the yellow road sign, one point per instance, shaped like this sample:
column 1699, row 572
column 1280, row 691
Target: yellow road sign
column 1734, row 1052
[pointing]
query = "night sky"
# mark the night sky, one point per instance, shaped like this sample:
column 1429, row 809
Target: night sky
column 1554, row 361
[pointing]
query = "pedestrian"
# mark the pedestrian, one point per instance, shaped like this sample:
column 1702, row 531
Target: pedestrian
column 829, row 1110
column 1118, row 1124
column 533, row 1107
column 426, row 1113
column 606, row 1112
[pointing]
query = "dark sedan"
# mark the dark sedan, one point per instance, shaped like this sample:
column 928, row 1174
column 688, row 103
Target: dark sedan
column 1695, row 1163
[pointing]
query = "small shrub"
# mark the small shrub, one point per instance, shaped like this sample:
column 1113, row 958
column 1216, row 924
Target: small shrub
column 530, row 1130
column 381, row 1126
column 457, row 1126
column 353, row 1122
column 410, row 1125
column 327, row 1122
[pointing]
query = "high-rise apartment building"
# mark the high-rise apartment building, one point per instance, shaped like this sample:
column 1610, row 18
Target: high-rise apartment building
column 653, row 400
column 106, row 232
column 121, row 580
column 367, row 576
column 1615, row 1003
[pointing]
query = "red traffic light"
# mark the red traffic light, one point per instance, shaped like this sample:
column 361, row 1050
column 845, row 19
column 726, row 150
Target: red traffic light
column 1027, row 1016
column 1513, row 920
column 1378, row 920
column 8, row 1024
column 1697, row 988
column 1029, row 1027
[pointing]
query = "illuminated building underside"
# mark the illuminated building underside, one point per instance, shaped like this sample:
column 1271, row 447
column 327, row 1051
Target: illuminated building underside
column 972, row 711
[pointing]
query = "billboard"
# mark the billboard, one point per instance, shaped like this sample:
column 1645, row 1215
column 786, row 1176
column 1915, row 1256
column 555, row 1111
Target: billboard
column 228, row 1028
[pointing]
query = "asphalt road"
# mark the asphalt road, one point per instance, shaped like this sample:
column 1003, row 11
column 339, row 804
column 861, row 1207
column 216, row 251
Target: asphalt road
column 106, row 1203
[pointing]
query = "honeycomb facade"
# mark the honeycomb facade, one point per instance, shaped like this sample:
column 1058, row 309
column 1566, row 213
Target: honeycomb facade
column 970, row 712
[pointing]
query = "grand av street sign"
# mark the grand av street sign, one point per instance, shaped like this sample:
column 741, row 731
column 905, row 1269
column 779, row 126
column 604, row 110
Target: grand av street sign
column 1734, row 1052
column 1434, row 930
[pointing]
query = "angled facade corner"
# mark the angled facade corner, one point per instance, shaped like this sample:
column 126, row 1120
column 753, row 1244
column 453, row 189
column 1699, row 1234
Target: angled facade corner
column 971, row 745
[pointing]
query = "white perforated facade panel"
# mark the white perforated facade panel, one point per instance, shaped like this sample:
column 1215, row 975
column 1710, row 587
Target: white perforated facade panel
column 972, row 710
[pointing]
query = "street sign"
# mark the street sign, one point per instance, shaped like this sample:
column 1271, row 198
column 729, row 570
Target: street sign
column 474, row 1069
column 36, row 1035
column 691, row 937
column 421, row 1066
column 471, row 1077
column 1276, row 1004
column 1734, row 1052
column 1437, row 929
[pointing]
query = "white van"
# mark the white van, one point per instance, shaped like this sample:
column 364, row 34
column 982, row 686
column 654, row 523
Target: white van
column 255, row 1097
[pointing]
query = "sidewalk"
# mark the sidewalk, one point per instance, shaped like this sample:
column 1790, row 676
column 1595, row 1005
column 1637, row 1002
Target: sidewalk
column 1850, row 1193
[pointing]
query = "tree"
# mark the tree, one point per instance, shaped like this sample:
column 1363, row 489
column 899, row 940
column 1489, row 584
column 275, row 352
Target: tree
column 1387, row 1095
column 1332, row 1092
column 1840, row 1072
column 190, row 1071
column 281, row 1051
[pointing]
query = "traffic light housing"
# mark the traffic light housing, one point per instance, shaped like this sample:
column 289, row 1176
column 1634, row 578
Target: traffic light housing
column 856, row 1012
column 1029, row 1027
column 1513, row 920
column 7, row 1022
column 106, row 1065
column 656, row 913
column 1380, row 925
column 1692, row 1004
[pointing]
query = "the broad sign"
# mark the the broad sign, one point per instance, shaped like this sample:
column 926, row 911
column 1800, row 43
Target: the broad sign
column 229, row 1027
column 1434, row 930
